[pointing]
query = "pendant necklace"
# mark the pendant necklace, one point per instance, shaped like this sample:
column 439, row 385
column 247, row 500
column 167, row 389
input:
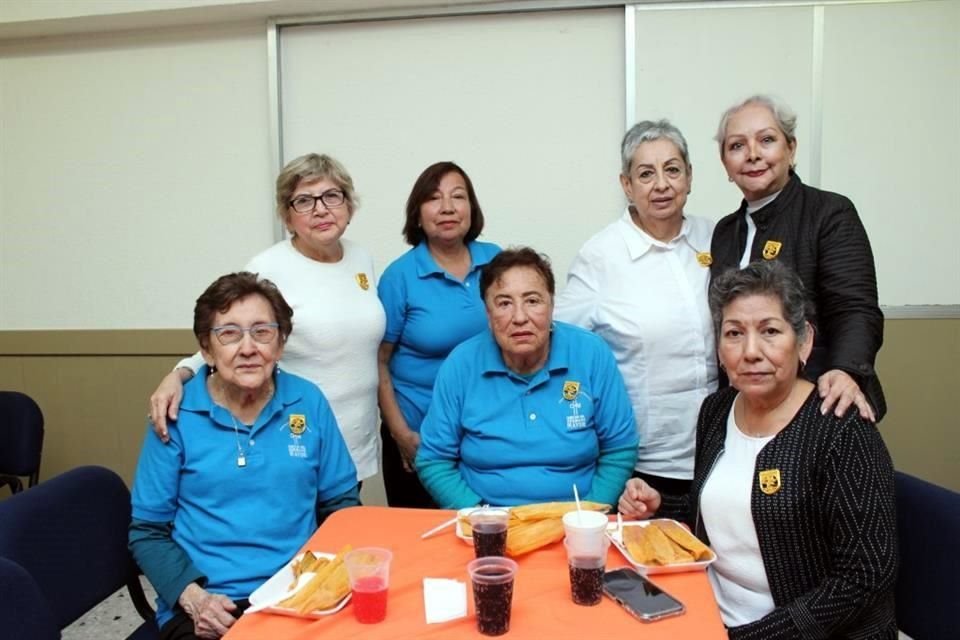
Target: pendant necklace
column 241, row 457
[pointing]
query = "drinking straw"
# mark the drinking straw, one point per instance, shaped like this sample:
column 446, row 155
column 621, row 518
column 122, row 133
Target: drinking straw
column 576, row 497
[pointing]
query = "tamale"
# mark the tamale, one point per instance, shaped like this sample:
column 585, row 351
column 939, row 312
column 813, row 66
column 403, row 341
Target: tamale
column 545, row 510
column 684, row 539
column 523, row 537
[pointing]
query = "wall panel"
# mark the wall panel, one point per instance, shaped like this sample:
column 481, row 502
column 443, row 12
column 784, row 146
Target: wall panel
column 135, row 169
column 691, row 64
column 531, row 105
column 891, row 129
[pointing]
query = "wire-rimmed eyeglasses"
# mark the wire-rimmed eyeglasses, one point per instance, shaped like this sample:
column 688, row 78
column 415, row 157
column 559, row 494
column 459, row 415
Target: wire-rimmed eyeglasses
column 306, row 203
column 262, row 332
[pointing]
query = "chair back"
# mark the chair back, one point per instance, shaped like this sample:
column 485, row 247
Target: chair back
column 928, row 527
column 70, row 535
column 21, row 439
column 24, row 612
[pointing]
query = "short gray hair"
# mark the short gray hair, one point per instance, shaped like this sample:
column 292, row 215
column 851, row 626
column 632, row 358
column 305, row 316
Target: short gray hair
column 785, row 116
column 762, row 278
column 648, row 131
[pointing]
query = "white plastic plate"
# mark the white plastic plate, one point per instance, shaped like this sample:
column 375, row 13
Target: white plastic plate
column 614, row 534
column 277, row 588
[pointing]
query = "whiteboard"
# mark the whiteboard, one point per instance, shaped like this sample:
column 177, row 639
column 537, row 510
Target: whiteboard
column 891, row 131
column 533, row 106
column 530, row 105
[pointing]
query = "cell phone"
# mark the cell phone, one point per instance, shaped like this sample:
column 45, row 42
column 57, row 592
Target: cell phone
column 639, row 596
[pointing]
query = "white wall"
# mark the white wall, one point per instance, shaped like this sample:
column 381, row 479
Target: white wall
column 135, row 168
column 530, row 105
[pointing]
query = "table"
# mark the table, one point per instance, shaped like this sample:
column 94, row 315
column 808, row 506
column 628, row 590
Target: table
column 542, row 607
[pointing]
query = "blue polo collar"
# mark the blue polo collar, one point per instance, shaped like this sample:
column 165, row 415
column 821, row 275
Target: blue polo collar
column 559, row 358
column 427, row 266
column 196, row 398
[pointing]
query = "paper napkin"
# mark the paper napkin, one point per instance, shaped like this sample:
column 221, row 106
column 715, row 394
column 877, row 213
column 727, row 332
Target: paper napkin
column 444, row 599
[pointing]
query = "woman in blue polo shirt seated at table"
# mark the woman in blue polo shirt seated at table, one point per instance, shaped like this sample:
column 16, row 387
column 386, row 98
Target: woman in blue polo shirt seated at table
column 255, row 461
column 529, row 408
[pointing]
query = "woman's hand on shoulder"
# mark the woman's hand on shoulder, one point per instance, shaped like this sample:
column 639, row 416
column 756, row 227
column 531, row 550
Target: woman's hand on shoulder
column 638, row 500
column 165, row 401
column 210, row 612
column 838, row 388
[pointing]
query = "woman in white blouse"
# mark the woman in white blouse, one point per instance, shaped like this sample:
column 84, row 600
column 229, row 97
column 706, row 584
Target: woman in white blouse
column 641, row 284
column 329, row 281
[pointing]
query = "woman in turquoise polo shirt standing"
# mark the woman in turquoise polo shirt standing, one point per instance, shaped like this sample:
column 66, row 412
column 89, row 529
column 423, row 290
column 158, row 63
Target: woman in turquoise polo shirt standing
column 432, row 301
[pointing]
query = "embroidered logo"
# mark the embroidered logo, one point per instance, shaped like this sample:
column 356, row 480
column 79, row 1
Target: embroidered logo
column 770, row 481
column 363, row 281
column 298, row 425
column 572, row 396
column 771, row 249
column 704, row 259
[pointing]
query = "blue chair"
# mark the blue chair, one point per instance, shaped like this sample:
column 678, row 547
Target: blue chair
column 21, row 439
column 928, row 528
column 24, row 613
column 69, row 534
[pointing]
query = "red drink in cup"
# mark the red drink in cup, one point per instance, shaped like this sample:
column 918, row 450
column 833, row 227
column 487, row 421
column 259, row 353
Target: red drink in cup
column 369, row 572
column 370, row 599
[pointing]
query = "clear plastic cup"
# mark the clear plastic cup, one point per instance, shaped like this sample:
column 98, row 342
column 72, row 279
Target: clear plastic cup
column 369, row 571
column 586, row 531
column 586, row 574
column 492, row 579
column 489, row 532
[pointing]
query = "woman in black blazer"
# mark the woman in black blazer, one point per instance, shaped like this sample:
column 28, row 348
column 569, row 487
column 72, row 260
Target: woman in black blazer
column 816, row 233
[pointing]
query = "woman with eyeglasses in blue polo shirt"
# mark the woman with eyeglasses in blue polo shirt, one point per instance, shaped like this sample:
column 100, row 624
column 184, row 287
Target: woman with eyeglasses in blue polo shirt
column 254, row 463
column 432, row 301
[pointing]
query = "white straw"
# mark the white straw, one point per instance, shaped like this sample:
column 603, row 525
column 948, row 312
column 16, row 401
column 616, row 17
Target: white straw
column 439, row 528
column 576, row 496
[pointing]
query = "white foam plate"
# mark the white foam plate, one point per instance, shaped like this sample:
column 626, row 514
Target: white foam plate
column 614, row 534
column 277, row 588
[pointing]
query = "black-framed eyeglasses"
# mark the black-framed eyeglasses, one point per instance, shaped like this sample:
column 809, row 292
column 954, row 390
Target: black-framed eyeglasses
column 262, row 332
column 306, row 203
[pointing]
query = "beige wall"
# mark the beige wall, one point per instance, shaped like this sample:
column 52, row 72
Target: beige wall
column 93, row 388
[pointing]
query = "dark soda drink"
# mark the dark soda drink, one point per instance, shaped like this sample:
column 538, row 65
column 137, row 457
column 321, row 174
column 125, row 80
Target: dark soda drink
column 493, row 602
column 370, row 599
column 490, row 539
column 586, row 583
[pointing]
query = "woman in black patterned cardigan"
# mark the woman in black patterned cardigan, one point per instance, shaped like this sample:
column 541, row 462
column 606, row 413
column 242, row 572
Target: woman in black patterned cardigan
column 797, row 504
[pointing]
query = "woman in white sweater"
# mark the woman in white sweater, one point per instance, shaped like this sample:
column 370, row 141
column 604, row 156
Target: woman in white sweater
column 338, row 319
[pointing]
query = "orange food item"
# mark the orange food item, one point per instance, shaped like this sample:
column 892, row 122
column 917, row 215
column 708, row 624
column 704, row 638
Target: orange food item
column 649, row 545
column 683, row 538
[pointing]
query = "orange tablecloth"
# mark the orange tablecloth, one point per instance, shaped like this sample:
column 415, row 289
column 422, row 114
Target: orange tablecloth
column 542, row 607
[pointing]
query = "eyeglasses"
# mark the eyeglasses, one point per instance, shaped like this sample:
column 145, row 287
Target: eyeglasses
column 306, row 203
column 262, row 332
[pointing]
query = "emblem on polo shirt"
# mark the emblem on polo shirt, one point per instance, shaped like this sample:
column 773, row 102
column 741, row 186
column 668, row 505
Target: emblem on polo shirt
column 704, row 259
column 572, row 396
column 298, row 423
column 770, row 481
column 363, row 281
column 771, row 250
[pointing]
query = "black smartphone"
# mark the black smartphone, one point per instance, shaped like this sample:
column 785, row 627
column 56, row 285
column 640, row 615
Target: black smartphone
column 639, row 596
